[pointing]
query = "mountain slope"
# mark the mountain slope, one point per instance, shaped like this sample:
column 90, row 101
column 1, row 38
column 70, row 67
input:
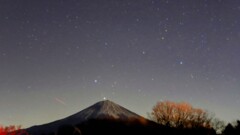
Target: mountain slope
column 103, row 110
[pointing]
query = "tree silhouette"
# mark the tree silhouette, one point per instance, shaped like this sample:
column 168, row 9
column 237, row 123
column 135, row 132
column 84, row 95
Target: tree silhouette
column 229, row 130
column 238, row 127
column 232, row 130
column 180, row 115
column 218, row 125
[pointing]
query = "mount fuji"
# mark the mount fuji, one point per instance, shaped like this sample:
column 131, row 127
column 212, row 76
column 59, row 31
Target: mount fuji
column 103, row 110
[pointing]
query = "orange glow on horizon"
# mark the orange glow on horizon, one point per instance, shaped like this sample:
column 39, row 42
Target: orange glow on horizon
column 12, row 130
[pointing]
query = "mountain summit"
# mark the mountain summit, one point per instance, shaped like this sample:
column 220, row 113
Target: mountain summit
column 103, row 110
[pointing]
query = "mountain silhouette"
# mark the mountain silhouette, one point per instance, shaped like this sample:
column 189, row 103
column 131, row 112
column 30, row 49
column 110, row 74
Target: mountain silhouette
column 103, row 110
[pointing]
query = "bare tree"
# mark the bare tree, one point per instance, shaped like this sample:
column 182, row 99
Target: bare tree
column 180, row 115
column 218, row 125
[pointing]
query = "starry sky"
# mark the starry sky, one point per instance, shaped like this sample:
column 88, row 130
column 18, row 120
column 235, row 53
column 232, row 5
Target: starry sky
column 58, row 57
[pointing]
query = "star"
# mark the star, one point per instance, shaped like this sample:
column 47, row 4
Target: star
column 152, row 48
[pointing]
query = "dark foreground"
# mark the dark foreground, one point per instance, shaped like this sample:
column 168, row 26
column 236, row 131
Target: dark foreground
column 103, row 127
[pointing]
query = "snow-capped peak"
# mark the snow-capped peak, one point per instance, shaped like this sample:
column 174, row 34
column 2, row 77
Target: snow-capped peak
column 103, row 110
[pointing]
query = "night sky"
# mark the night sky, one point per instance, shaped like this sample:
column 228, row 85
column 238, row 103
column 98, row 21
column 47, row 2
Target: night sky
column 59, row 56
